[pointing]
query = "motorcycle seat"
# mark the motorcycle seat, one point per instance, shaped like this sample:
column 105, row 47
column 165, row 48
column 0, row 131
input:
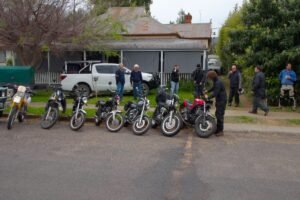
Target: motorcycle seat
column 101, row 102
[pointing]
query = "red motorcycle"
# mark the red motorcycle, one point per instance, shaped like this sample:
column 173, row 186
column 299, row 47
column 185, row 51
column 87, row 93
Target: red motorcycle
column 196, row 114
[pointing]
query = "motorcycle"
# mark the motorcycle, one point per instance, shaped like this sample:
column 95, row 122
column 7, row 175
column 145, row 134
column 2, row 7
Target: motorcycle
column 20, row 101
column 171, row 123
column 197, row 115
column 107, row 111
column 3, row 99
column 78, row 114
column 56, row 102
column 135, row 115
column 161, row 109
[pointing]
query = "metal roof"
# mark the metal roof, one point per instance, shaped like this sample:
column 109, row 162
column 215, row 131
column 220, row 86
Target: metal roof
column 158, row 44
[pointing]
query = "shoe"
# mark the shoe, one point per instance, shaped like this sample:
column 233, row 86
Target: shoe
column 218, row 134
column 229, row 104
column 266, row 113
column 236, row 105
column 252, row 112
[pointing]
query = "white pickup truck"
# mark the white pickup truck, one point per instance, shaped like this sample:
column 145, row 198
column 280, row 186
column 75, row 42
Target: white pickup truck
column 92, row 76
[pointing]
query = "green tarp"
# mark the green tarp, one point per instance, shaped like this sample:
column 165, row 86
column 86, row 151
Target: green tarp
column 23, row 75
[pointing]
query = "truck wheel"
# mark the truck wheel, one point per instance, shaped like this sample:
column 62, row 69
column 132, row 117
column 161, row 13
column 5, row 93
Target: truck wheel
column 1, row 113
column 82, row 87
column 145, row 89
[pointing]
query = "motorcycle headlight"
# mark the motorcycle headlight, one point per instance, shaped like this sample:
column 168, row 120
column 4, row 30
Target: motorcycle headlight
column 85, row 100
column 17, row 99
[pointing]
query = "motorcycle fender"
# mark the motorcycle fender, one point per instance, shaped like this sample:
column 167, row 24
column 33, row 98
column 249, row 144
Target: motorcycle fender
column 211, row 115
column 84, row 112
column 115, row 112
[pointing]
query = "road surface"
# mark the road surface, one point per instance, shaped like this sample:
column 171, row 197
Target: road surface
column 93, row 164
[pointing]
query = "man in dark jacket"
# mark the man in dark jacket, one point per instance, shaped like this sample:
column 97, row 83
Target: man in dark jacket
column 235, row 79
column 136, row 81
column 120, row 80
column 198, row 77
column 219, row 93
column 259, row 91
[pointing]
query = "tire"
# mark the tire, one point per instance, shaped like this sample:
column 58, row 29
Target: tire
column 146, row 89
column 11, row 118
column 97, row 121
column 170, row 130
column 114, row 125
column 52, row 118
column 154, row 124
column 207, row 128
column 75, row 125
column 84, row 88
column 1, row 113
column 141, row 129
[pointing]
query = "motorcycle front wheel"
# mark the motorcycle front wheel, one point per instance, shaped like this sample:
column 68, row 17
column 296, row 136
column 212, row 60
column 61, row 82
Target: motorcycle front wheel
column 11, row 118
column 114, row 123
column 171, row 126
column 49, row 118
column 77, row 122
column 140, row 127
column 205, row 127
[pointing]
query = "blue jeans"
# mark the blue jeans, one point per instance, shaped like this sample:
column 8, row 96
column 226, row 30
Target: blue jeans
column 120, row 89
column 174, row 87
column 137, row 90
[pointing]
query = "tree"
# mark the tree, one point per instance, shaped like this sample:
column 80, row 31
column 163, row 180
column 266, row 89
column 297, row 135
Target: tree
column 29, row 27
column 269, row 37
column 102, row 5
column 181, row 17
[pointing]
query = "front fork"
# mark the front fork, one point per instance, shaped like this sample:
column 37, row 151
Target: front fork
column 171, row 116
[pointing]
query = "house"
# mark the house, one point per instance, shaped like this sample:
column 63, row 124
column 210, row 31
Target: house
column 147, row 42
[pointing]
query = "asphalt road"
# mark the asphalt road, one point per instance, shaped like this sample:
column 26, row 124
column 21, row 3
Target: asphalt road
column 93, row 164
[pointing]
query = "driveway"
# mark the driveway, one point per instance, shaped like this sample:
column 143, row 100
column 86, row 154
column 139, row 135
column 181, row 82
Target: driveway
column 94, row 164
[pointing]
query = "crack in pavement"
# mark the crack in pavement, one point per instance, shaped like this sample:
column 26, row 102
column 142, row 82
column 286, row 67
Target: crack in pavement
column 179, row 171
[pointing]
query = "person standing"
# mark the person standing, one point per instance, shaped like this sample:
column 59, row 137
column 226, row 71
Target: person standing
column 197, row 77
column 136, row 81
column 287, row 79
column 235, row 79
column 219, row 93
column 120, row 80
column 259, row 91
column 175, row 80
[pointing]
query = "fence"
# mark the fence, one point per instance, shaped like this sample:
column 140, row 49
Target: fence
column 42, row 78
column 54, row 77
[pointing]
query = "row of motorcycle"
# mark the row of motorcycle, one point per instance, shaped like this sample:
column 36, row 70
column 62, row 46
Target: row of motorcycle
column 169, row 114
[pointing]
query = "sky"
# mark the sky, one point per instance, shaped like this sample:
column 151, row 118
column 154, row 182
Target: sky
column 201, row 10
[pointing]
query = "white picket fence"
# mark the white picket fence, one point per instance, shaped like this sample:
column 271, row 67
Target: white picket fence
column 47, row 78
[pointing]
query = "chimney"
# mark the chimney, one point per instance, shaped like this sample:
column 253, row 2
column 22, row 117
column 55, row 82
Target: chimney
column 188, row 18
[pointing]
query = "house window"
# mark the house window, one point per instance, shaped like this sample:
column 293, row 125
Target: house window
column 2, row 56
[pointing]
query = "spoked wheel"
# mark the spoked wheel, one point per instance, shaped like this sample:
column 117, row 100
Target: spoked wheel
column 171, row 126
column 77, row 122
column 12, row 117
column 49, row 118
column 140, row 127
column 205, row 126
column 115, row 122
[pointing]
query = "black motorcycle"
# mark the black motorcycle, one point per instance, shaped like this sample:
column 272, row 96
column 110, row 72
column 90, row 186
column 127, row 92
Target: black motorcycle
column 56, row 102
column 135, row 115
column 171, row 123
column 108, row 111
column 162, row 109
column 78, row 114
